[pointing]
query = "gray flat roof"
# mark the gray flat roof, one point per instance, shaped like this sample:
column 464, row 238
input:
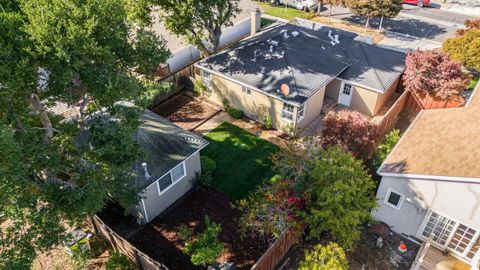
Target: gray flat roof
column 306, row 62
column 166, row 145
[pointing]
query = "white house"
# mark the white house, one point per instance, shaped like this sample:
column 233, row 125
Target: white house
column 431, row 184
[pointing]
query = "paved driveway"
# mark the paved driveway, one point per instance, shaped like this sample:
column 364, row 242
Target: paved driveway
column 175, row 43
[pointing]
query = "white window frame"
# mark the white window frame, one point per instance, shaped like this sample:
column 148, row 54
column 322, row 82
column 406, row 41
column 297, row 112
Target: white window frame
column 160, row 192
column 286, row 112
column 387, row 196
column 246, row 90
column 302, row 109
column 206, row 78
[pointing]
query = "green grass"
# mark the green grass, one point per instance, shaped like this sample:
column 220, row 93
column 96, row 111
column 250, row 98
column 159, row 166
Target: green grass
column 265, row 22
column 473, row 82
column 242, row 160
column 279, row 11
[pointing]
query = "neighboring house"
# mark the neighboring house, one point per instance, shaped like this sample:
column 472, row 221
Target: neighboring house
column 171, row 165
column 431, row 181
column 307, row 64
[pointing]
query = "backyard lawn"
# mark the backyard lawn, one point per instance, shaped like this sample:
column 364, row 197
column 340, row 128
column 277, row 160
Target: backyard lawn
column 242, row 160
column 279, row 11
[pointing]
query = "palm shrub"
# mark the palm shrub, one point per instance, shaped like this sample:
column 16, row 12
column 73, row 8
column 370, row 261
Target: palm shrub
column 205, row 247
column 330, row 257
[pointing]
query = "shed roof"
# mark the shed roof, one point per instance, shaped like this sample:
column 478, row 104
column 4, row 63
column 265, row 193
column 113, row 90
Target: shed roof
column 441, row 143
column 306, row 62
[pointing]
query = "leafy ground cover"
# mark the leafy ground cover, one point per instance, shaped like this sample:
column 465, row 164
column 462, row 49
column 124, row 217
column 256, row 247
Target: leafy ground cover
column 473, row 82
column 281, row 12
column 242, row 160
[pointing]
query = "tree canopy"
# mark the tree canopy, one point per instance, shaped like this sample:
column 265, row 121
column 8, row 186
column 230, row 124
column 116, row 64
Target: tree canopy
column 375, row 8
column 329, row 257
column 90, row 54
column 200, row 22
column 465, row 47
column 434, row 73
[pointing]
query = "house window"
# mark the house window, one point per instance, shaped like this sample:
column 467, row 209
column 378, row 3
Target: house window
column 206, row 78
column 287, row 112
column 394, row 199
column 246, row 90
column 171, row 177
column 301, row 112
column 347, row 89
column 178, row 172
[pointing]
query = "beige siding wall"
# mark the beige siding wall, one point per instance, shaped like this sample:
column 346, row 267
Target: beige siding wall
column 333, row 89
column 382, row 98
column 364, row 100
column 313, row 107
column 155, row 203
column 248, row 103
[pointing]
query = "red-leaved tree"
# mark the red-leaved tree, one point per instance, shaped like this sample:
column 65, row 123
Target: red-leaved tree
column 352, row 131
column 434, row 73
column 470, row 25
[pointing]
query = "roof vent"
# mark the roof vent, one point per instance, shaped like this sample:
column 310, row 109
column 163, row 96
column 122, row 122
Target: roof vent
column 145, row 170
column 285, row 89
column 295, row 34
column 274, row 42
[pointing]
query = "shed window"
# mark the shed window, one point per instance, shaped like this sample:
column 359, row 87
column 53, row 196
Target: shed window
column 206, row 78
column 287, row 111
column 178, row 172
column 301, row 112
column 394, row 199
column 246, row 90
column 171, row 177
column 347, row 89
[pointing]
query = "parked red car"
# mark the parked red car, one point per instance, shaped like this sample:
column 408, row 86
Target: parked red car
column 418, row 3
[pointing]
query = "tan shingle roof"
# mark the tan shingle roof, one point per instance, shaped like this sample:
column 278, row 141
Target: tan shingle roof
column 442, row 142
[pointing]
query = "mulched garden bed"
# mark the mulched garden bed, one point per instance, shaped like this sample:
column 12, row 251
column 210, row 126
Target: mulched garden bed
column 161, row 241
column 186, row 111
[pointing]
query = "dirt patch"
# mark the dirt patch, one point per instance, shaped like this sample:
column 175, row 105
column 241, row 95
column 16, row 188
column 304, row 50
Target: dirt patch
column 186, row 111
column 161, row 241
column 364, row 255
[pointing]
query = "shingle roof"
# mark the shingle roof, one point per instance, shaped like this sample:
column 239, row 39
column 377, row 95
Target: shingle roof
column 306, row 62
column 443, row 142
column 166, row 146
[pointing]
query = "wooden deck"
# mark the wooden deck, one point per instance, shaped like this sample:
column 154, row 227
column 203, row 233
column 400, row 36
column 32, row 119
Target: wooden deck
column 435, row 260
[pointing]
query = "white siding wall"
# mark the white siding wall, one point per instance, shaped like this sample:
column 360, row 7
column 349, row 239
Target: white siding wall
column 457, row 200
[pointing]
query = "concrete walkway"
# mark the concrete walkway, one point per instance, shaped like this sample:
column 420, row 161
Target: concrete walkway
column 273, row 136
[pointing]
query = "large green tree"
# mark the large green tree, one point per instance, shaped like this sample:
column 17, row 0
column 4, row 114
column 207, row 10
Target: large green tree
column 86, row 52
column 200, row 22
column 342, row 196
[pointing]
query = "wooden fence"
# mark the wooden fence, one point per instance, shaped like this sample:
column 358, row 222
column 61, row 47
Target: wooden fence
column 414, row 103
column 387, row 121
column 275, row 253
column 121, row 245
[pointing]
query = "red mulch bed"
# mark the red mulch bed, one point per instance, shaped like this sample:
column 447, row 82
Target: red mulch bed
column 186, row 111
column 160, row 240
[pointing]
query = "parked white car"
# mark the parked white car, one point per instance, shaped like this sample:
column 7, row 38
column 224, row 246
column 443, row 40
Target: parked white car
column 305, row 5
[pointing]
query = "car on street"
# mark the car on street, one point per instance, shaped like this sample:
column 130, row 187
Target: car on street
column 418, row 3
column 305, row 5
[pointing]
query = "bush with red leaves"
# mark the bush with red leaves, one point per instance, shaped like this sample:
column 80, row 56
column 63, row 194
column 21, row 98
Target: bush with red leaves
column 352, row 131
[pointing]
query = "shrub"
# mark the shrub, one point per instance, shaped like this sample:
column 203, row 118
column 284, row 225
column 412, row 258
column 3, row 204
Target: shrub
column 352, row 131
column 435, row 74
column 205, row 247
column 235, row 113
column 268, row 122
column 226, row 104
column 119, row 261
column 199, row 87
column 208, row 165
column 386, row 147
column 330, row 257
column 202, row 180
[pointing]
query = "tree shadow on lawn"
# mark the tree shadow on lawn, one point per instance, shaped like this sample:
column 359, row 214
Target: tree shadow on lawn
column 160, row 240
column 242, row 159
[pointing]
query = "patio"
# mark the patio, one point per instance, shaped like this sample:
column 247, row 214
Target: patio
column 435, row 260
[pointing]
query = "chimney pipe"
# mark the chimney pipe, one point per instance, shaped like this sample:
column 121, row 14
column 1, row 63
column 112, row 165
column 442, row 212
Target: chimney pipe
column 256, row 17
column 145, row 170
